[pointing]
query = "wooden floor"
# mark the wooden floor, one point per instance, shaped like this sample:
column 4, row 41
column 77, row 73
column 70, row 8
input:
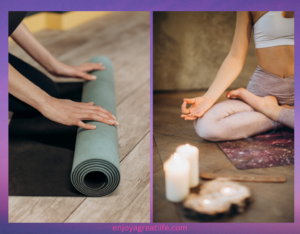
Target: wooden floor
column 271, row 202
column 124, row 37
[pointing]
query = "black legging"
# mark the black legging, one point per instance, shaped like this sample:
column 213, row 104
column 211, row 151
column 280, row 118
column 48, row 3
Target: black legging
column 32, row 74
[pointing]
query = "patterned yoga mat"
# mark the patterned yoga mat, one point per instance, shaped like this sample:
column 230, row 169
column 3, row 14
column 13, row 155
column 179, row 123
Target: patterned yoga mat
column 270, row 149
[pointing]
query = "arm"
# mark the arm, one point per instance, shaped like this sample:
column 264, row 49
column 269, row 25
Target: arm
column 228, row 72
column 35, row 49
column 59, row 110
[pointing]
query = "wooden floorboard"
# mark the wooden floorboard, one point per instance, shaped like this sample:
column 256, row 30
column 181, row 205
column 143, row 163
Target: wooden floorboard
column 42, row 209
column 118, row 39
column 124, row 38
column 272, row 202
column 137, row 211
column 134, row 119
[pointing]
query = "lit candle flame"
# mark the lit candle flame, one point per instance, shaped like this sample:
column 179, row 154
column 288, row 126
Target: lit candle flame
column 206, row 201
column 228, row 191
column 177, row 158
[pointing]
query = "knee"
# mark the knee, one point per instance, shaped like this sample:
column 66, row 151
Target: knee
column 209, row 126
column 206, row 130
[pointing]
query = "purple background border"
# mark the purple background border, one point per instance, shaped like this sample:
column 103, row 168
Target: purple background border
column 135, row 5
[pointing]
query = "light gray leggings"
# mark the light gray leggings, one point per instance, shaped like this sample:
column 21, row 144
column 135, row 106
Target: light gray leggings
column 234, row 119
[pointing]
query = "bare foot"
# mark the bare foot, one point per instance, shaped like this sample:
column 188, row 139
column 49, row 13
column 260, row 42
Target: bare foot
column 267, row 105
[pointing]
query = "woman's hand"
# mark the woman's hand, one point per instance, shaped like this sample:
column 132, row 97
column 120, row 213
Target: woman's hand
column 63, row 70
column 198, row 108
column 59, row 110
column 37, row 51
column 70, row 113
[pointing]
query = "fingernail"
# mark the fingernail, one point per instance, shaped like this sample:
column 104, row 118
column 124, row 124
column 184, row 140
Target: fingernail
column 114, row 117
column 100, row 63
column 111, row 121
column 94, row 127
column 94, row 77
column 116, row 122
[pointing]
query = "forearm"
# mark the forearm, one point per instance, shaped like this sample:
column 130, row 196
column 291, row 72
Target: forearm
column 25, row 90
column 234, row 62
column 228, row 72
column 33, row 47
column 59, row 110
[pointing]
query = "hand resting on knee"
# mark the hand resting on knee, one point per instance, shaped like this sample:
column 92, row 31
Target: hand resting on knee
column 200, row 105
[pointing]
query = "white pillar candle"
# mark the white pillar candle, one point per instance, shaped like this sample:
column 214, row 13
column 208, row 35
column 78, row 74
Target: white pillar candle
column 177, row 178
column 191, row 153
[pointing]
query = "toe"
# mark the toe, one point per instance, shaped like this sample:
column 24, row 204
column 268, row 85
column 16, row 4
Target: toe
column 231, row 94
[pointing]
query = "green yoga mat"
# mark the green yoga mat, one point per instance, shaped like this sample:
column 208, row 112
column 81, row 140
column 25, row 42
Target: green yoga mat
column 96, row 167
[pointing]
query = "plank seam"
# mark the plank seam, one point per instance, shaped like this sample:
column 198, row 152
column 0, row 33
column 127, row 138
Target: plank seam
column 133, row 200
column 74, row 210
column 143, row 83
column 135, row 145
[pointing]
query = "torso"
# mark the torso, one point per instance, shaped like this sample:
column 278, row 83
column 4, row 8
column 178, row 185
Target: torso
column 278, row 60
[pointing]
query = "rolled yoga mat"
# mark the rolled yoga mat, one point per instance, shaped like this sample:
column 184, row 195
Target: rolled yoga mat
column 96, row 167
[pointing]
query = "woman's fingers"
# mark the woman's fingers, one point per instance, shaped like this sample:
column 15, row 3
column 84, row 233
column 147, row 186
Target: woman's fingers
column 81, row 124
column 184, row 110
column 72, row 113
column 87, row 111
column 193, row 101
column 86, row 67
column 95, row 117
column 198, row 108
column 96, row 112
column 195, row 112
column 186, row 101
column 82, row 107
column 97, row 109
column 91, row 66
column 190, row 118
column 84, row 75
column 189, row 100
column 85, row 103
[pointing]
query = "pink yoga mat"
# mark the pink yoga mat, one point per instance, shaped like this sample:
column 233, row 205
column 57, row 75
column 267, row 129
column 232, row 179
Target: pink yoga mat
column 270, row 149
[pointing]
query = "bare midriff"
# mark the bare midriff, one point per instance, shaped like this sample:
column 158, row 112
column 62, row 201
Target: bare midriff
column 278, row 60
